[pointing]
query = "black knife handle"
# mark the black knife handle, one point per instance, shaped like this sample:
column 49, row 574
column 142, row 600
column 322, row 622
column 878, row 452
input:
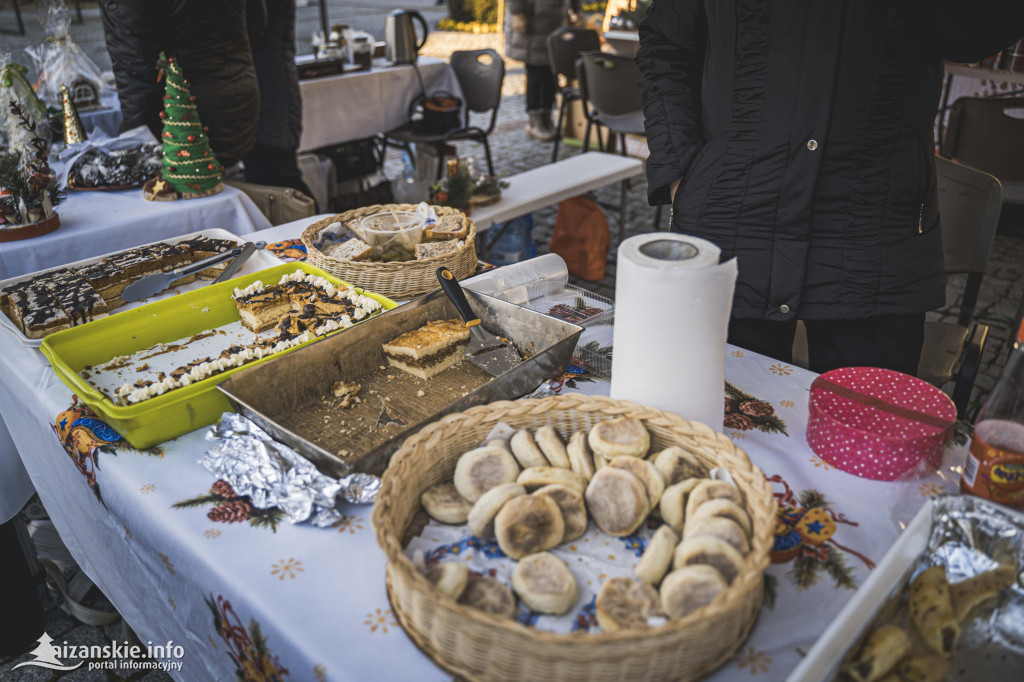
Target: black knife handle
column 451, row 287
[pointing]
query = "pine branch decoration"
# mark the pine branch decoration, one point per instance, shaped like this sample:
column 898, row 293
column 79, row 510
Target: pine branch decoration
column 200, row 501
column 813, row 498
column 840, row 571
column 804, row 571
column 771, row 590
column 266, row 518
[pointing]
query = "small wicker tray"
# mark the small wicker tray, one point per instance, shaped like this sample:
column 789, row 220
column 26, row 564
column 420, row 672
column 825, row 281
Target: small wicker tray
column 480, row 646
column 397, row 280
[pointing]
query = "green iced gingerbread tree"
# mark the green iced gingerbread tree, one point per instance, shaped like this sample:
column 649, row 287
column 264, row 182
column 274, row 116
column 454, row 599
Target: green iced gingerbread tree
column 189, row 165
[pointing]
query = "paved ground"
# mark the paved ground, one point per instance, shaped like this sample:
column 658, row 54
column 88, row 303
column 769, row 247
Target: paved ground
column 1002, row 290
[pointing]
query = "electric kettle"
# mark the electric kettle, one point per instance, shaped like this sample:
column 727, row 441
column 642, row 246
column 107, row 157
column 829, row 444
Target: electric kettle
column 400, row 36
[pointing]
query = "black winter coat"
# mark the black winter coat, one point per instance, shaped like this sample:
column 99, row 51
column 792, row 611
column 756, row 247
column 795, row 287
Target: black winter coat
column 209, row 40
column 802, row 130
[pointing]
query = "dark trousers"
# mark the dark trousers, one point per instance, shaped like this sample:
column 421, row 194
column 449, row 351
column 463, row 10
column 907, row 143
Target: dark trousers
column 886, row 341
column 540, row 88
column 276, row 167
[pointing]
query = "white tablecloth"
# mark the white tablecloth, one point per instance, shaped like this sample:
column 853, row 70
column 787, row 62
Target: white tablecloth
column 361, row 104
column 95, row 223
column 176, row 554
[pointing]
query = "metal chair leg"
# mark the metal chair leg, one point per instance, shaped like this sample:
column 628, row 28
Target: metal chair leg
column 21, row 22
column 487, row 153
column 558, row 129
column 586, row 137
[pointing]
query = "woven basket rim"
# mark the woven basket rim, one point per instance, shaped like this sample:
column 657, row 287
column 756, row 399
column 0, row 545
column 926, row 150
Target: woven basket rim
column 316, row 228
column 755, row 562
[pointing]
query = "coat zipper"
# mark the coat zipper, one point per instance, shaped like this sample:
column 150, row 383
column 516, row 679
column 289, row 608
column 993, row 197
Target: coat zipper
column 920, row 220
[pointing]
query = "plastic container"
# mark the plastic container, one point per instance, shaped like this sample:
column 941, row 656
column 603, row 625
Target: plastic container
column 184, row 409
column 515, row 243
column 393, row 235
column 879, row 424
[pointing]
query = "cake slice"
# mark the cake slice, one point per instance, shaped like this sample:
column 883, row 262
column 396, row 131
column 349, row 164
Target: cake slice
column 73, row 293
column 171, row 256
column 204, row 247
column 427, row 250
column 260, row 308
column 108, row 279
column 429, row 350
column 136, row 263
column 450, row 226
column 36, row 312
column 352, row 250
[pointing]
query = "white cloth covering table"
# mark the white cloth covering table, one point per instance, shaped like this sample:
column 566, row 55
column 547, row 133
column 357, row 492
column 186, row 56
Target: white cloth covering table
column 360, row 104
column 95, row 223
column 171, row 548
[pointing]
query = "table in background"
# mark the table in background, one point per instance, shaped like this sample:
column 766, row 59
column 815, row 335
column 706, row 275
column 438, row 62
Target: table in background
column 96, row 223
column 360, row 104
column 106, row 119
column 184, row 560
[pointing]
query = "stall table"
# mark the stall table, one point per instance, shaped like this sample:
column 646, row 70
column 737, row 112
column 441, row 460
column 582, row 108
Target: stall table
column 360, row 104
column 183, row 560
column 95, row 223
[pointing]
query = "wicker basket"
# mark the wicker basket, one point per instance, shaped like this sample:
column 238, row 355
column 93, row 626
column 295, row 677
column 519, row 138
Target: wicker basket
column 398, row 280
column 480, row 646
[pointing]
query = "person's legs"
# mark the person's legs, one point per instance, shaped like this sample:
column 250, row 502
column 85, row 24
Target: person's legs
column 774, row 339
column 887, row 341
column 266, row 165
column 540, row 96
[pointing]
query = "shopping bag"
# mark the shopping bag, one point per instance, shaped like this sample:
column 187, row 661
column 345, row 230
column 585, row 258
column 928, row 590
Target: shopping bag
column 581, row 238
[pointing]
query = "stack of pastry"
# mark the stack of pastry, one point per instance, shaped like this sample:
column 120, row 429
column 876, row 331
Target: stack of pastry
column 536, row 491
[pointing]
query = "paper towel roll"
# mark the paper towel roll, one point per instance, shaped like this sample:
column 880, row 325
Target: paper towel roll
column 672, row 305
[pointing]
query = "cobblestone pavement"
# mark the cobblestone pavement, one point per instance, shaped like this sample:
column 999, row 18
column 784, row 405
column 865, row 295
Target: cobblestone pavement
column 513, row 152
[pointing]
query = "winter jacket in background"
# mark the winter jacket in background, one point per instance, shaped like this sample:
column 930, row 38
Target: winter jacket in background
column 209, row 40
column 542, row 17
column 802, row 133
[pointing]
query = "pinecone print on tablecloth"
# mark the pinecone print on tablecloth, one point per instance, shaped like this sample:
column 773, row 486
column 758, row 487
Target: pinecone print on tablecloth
column 232, row 511
column 224, row 489
column 738, row 421
column 756, row 408
column 731, row 404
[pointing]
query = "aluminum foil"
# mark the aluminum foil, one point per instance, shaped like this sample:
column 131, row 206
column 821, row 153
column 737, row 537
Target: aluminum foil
column 274, row 475
column 970, row 536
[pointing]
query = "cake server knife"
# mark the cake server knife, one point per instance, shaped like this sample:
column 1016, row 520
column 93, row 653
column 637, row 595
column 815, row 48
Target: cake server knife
column 490, row 353
column 154, row 284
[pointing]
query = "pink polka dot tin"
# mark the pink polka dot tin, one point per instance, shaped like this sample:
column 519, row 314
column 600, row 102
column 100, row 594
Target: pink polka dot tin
column 879, row 424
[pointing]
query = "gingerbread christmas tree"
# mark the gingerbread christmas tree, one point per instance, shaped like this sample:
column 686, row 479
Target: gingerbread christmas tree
column 190, row 169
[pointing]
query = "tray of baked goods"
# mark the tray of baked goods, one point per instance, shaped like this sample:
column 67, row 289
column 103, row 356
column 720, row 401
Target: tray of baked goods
column 37, row 304
column 151, row 372
column 945, row 603
column 574, row 537
column 347, row 403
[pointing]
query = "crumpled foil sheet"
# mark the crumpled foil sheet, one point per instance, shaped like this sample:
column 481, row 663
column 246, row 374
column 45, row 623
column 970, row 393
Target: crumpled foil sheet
column 274, row 475
column 970, row 536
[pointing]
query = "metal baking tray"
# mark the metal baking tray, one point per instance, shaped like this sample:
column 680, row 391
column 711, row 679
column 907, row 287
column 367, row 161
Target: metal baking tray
column 300, row 412
column 259, row 260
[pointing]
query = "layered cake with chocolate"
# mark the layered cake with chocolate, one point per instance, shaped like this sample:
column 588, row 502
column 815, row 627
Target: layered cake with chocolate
column 300, row 295
column 429, row 350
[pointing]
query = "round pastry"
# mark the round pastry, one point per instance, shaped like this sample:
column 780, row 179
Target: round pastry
column 676, row 464
column 617, row 501
column 570, row 503
column 538, row 477
column 580, row 460
column 481, row 516
column 479, row 470
column 686, row 589
column 711, row 551
column 711, row 490
column 622, row 436
column 673, row 503
column 444, row 504
column 450, row 577
column 645, row 471
column 487, row 594
column 624, row 603
column 599, row 461
column 553, row 447
column 725, row 508
column 499, row 443
column 721, row 528
column 528, row 524
column 657, row 557
column 545, row 584
column 526, row 452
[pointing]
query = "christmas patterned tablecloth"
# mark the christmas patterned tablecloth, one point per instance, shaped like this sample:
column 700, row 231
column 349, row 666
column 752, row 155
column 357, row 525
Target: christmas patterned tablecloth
column 249, row 595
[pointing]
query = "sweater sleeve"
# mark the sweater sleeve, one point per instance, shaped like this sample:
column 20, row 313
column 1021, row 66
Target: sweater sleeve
column 673, row 41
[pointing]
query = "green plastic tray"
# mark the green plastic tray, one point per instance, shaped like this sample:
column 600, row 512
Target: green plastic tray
column 184, row 409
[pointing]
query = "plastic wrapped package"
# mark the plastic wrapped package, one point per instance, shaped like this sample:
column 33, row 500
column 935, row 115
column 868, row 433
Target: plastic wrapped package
column 14, row 86
column 60, row 61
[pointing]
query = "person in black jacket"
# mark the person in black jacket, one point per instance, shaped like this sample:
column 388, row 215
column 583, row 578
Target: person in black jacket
column 210, row 42
column 797, row 136
column 273, row 159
